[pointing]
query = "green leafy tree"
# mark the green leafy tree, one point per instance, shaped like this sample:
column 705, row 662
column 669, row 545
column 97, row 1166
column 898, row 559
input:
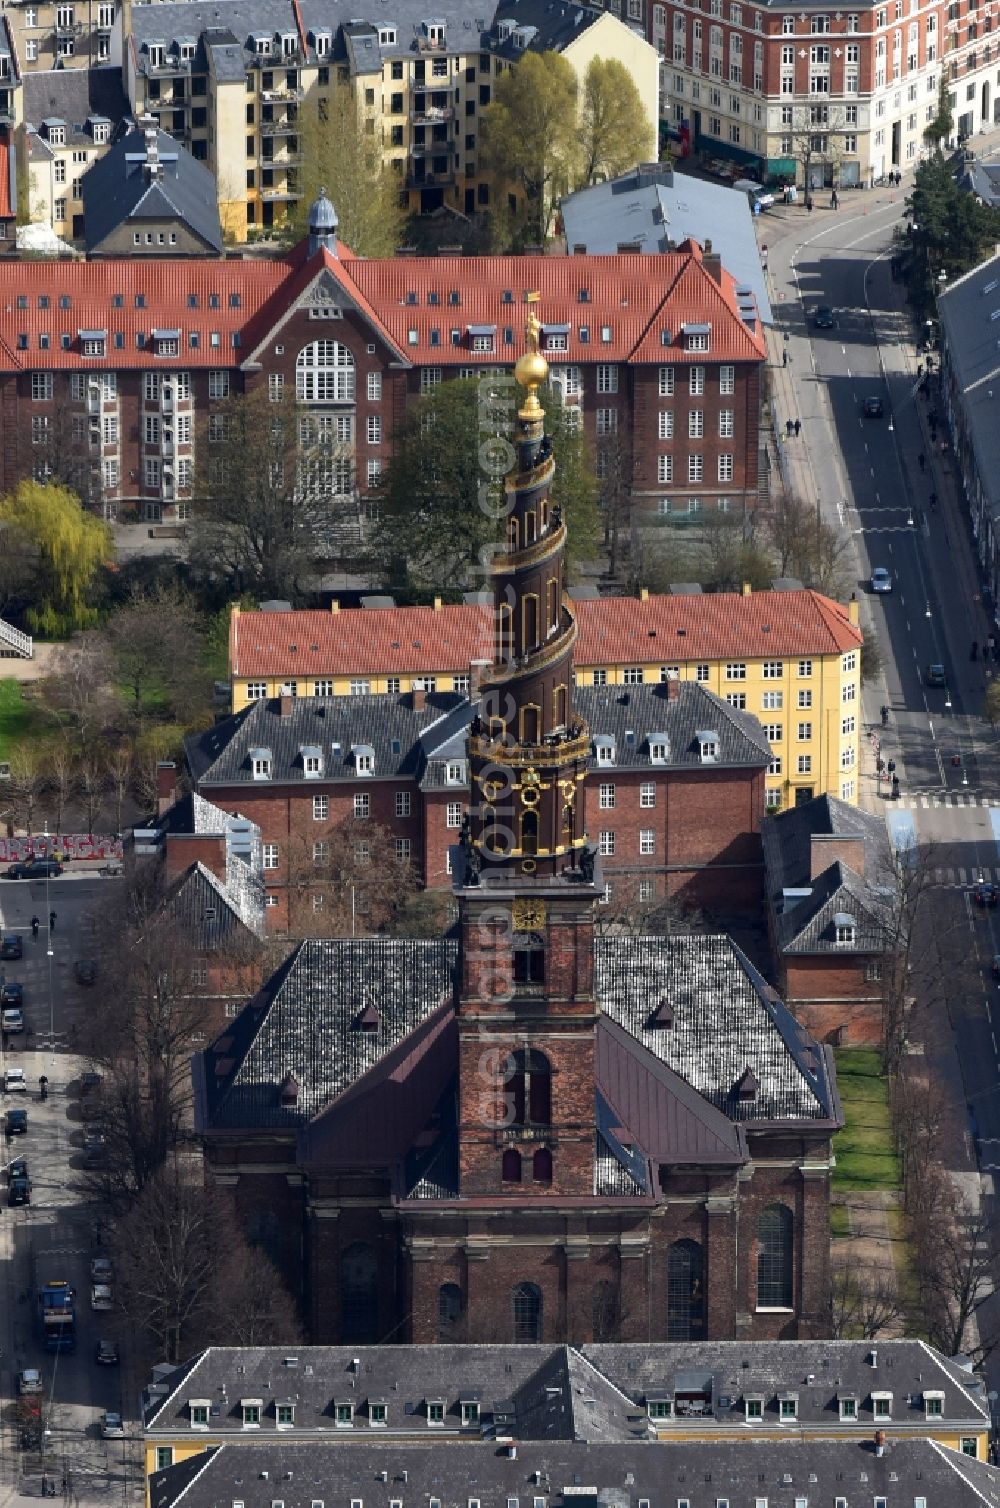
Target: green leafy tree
column 949, row 232
column 442, row 508
column 342, row 153
column 529, row 135
column 941, row 126
column 68, row 548
column 155, row 643
column 615, row 130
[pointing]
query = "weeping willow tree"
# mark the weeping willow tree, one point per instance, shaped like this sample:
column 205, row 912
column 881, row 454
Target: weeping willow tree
column 67, row 549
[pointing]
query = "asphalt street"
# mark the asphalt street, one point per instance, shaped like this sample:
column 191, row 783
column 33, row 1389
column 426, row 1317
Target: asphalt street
column 56, row 1234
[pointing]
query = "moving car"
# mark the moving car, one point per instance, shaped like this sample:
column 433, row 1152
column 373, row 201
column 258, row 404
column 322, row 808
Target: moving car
column 11, row 946
column 934, row 675
column 12, row 994
column 881, row 580
column 29, row 1381
column 13, row 1021
column 872, row 407
column 107, row 1353
column 34, row 869
column 986, row 894
column 755, row 193
column 14, row 1081
column 17, row 1122
column 85, row 971
column 112, row 1426
column 823, row 318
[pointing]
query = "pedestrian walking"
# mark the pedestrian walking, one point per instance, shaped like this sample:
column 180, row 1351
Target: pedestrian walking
column 834, row 201
column 789, row 428
column 52, row 921
column 797, row 426
column 35, row 924
column 933, row 501
column 809, row 204
column 784, row 358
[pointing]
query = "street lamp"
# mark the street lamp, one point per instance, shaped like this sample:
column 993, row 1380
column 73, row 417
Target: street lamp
column 947, row 699
column 909, row 515
column 927, row 611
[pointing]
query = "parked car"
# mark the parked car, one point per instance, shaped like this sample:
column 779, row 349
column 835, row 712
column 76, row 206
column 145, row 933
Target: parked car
column 935, row 675
column 881, row 580
column 107, row 1353
column 34, row 869
column 90, row 1095
column 95, row 1147
column 14, row 1081
column 17, row 1168
column 17, row 1122
column 986, row 893
column 102, row 1296
column 85, row 971
column 11, row 946
column 102, row 1270
column 12, row 993
column 872, row 407
column 112, row 1426
column 996, row 966
column 823, row 318
column 13, row 1021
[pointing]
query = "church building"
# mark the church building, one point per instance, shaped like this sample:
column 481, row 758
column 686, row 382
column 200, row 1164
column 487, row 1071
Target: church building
column 531, row 1132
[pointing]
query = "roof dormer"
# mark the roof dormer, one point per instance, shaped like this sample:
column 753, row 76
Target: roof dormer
column 845, row 929
column 312, row 760
column 261, row 763
column 604, row 748
column 708, row 745
column 364, row 759
column 659, row 747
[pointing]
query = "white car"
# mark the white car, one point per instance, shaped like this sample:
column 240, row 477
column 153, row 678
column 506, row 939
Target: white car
column 102, row 1296
column 13, row 1021
column 112, row 1426
column 881, row 580
column 14, row 1081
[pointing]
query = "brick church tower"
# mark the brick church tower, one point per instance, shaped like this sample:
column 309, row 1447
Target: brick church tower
column 526, row 1011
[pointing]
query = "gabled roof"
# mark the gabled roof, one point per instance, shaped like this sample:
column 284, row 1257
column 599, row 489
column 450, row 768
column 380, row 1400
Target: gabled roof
column 725, row 1019
column 809, row 925
column 633, row 715
column 359, row 641
column 201, row 906
column 119, row 189
column 74, row 94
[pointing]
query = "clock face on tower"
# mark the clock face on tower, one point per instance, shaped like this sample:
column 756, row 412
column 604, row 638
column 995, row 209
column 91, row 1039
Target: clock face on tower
column 528, row 914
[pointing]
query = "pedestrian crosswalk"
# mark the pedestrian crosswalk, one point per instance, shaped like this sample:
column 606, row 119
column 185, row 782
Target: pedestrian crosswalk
column 925, row 800
column 963, row 878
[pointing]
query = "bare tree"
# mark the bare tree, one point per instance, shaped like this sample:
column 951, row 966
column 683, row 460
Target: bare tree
column 626, row 910
column 59, row 779
column 164, row 1255
column 27, row 781
column 250, row 1305
column 866, row 1302
column 816, row 139
column 80, row 694
column 91, row 785
column 119, row 770
column 954, row 1266
column 352, row 880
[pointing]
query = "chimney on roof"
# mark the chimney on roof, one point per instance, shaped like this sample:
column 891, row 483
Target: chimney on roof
column 152, row 167
column 713, row 263
column 747, row 589
column 852, row 610
column 437, row 604
column 478, row 670
column 673, row 685
column 418, row 696
column 285, row 703
column 335, row 606
column 579, row 249
column 628, row 248
column 166, row 785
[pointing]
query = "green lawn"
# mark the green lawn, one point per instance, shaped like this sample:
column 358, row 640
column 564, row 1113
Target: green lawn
column 864, row 1149
column 840, row 1220
column 18, row 716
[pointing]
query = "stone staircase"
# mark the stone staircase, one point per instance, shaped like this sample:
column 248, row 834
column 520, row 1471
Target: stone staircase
column 14, row 644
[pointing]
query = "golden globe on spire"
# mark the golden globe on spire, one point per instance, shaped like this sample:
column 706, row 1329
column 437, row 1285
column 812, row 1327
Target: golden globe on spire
column 532, row 369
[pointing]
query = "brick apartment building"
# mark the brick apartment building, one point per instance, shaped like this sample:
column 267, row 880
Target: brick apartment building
column 838, row 97
column 673, row 794
column 531, row 1133
column 119, row 368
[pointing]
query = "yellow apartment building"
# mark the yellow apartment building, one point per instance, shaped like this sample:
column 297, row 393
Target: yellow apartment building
column 792, row 658
column 232, row 83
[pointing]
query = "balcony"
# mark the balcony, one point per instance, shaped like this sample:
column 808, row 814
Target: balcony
column 429, row 148
column 279, row 128
column 431, row 180
column 281, row 96
column 282, row 159
column 506, row 1136
column 274, row 195
column 432, row 117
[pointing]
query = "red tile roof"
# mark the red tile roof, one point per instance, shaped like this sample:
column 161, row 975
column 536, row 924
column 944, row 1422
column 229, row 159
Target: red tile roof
column 635, row 297
column 612, row 631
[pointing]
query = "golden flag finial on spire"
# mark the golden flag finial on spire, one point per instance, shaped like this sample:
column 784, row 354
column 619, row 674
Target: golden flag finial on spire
column 532, row 369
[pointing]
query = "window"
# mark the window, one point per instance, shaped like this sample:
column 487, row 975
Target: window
column 322, row 688
column 666, row 424
column 727, row 380
column 702, row 672
column 275, row 386
column 773, row 670
column 753, row 1408
column 647, row 841
column 736, row 671
column 165, row 1456
column 453, row 814
column 804, row 732
column 606, row 796
column 218, row 385
column 606, row 844
column 685, row 1296
column 969, row 1447
column 251, row 1413
column 256, row 690
column 696, row 424
column 804, row 764
column 664, row 468
column 804, row 700
column 881, row 1402
column 374, row 387
column 934, row 1405
column 362, row 805
column 849, row 662
column 41, row 386
column 725, row 468
column 774, row 1265
column 607, row 378
column 321, row 808
column 607, row 421
column 848, row 1408
column 696, row 381
column 773, row 732
column 325, row 373
column 696, row 471
column 737, row 699
column 526, row 1302
column 270, row 852
column 666, row 382
column 359, row 1304
column 647, row 793
column 402, row 803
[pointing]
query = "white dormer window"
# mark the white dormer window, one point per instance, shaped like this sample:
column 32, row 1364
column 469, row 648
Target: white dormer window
column 848, row 1406
column 251, row 1410
column 198, row 1409
column 435, row 1412
column 187, row 50
column 343, row 1415
column 289, row 44
column 933, row 1405
column 788, row 1406
column 454, row 772
column 882, row 1405
column 659, row 750
column 387, row 36
column 260, row 764
column 262, row 46
column 604, row 749
column 845, row 930
column 753, row 1406
column 708, row 746
column 312, row 761
column 364, row 759
column 659, row 1408
column 284, row 1415
column 434, row 30
column 470, row 1412
column 696, row 340
column 322, row 44
column 377, row 1415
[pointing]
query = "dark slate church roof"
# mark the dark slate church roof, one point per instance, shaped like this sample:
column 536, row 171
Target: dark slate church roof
column 118, row 190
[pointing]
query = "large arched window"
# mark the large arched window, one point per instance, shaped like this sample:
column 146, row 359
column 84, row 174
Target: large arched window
column 359, row 1294
column 685, row 1292
column 541, row 1166
column 529, row 1083
column 527, row 1303
column 510, row 1166
column 324, row 373
column 774, row 1257
column 449, row 1312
